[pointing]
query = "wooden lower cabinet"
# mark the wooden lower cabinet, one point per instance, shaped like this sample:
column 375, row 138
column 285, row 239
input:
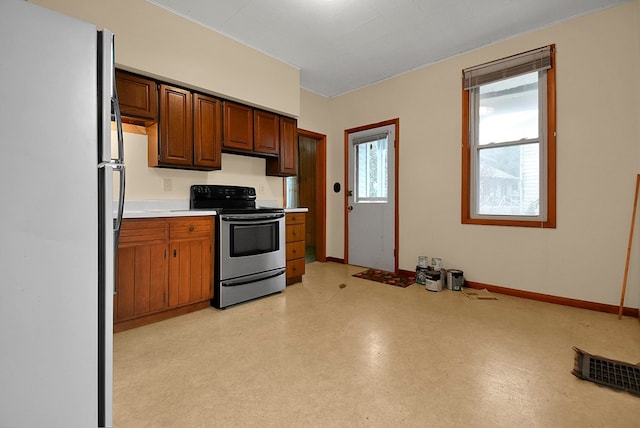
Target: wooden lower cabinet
column 142, row 282
column 164, row 269
column 295, row 247
column 191, row 265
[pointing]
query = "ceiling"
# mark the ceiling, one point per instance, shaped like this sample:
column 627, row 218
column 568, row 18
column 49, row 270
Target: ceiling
column 343, row 45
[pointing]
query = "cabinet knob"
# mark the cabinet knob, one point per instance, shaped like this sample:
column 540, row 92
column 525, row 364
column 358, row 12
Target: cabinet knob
column 192, row 228
column 294, row 251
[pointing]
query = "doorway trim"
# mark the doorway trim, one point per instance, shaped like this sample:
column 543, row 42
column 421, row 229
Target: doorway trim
column 396, row 148
column 321, row 191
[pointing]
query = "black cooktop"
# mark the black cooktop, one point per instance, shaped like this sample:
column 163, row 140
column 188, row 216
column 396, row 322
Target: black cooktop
column 227, row 199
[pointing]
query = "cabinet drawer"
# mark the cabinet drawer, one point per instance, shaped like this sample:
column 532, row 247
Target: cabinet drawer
column 191, row 227
column 295, row 268
column 296, row 218
column 295, row 232
column 295, row 250
column 143, row 230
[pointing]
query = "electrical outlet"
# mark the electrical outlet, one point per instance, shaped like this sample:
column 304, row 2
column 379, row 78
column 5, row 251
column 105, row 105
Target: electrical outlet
column 167, row 184
column 261, row 189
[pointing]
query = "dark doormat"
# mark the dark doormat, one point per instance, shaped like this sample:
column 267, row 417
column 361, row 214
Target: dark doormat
column 603, row 371
column 400, row 279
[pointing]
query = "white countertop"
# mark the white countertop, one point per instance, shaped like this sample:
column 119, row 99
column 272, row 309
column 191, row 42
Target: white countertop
column 161, row 208
column 166, row 213
column 176, row 208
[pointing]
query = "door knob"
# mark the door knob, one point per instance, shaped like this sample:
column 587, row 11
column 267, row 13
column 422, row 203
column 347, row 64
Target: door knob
column 350, row 208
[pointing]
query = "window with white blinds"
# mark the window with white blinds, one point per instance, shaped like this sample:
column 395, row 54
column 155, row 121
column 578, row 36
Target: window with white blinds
column 509, row 141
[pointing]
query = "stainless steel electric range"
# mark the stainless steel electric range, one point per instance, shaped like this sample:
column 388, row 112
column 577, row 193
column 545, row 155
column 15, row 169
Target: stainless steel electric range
column 250, row 244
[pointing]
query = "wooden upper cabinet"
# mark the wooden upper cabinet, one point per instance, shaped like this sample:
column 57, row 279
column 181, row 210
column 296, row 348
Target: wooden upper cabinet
column 207, row 132
column 189, row 131
column 138, row 96
column 286, row 164
column 176, row 127
column 238, row 127
column 266, row 132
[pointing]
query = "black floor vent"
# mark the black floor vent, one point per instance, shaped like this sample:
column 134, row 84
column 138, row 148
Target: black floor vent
column 603, row 371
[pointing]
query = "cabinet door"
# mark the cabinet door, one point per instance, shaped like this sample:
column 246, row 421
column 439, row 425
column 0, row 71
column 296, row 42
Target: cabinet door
column 266, row 132
column 191, row 264
column 207, row 132
column 287, row 162
column 238, row 127
column 138, row 96
column 141, row 277
column 190, row 271
column 141, row 280
column 176, row 127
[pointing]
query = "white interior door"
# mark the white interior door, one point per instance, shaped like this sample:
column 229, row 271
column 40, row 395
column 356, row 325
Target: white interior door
column 371, row 198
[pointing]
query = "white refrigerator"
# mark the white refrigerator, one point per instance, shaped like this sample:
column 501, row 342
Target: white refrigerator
column 58, row 218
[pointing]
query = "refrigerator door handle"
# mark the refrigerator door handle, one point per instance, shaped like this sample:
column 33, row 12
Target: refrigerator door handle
column 115, row 105
column 117, row 222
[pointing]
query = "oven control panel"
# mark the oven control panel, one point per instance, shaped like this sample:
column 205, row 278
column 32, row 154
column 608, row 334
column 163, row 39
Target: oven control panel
column 213, row 196
column 218, row 192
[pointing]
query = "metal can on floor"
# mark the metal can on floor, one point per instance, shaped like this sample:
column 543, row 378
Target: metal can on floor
column 455, row 279
column 433, row 280
column 421, row 275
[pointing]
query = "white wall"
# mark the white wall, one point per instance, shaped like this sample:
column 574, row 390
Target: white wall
column 598, row 77
column 144, row 183
column 598, row 116
column 158, row 43
column 314, row 112
column 598, row 81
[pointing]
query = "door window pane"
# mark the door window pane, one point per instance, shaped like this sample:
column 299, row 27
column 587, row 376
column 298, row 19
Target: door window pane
column 372, row 181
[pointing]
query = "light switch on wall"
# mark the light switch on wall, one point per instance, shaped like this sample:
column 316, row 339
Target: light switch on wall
column 166, row 185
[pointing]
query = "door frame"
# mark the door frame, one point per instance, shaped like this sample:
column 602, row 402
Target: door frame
column 396, row 149
column 321, row 191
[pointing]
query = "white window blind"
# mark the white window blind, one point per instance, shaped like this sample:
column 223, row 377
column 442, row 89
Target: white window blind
column 526, row 62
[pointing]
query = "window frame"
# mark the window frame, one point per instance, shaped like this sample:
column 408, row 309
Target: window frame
column 548, row 150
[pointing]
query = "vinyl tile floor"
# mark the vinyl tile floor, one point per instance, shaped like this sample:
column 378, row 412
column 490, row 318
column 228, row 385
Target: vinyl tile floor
column 339, row 351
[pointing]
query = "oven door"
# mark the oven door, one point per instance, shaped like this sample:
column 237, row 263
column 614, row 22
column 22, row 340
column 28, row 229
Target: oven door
column 251, row 243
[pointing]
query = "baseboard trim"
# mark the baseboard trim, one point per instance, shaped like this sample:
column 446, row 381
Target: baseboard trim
column 548, row 298
column 565, row 301
column 159, row 316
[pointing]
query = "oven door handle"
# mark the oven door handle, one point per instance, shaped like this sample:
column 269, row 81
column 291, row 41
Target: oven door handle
column 251, row 217
column 253, row 278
